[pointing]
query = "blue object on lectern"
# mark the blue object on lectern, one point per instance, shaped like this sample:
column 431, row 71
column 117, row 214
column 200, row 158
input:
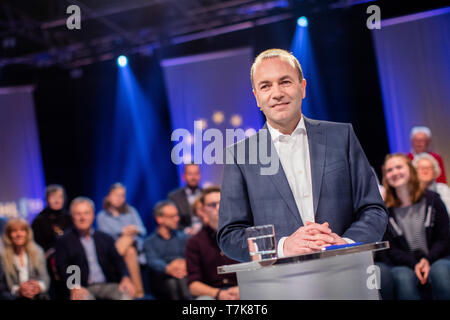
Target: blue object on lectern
column 340, row 246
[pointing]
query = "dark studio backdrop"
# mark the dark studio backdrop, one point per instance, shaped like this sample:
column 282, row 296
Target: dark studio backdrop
column 82, row 134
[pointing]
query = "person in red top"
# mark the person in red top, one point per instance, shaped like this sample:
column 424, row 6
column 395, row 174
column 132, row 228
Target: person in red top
column 420, row 141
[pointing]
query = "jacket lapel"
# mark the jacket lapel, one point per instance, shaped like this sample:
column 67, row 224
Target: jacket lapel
column 280, row 181
column 317, row 143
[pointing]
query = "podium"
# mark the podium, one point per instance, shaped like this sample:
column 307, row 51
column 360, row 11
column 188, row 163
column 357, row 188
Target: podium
column 341, row 274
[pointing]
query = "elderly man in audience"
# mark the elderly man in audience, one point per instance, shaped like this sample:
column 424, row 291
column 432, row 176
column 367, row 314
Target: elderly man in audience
column 420, row 141
column 23, row 262
column 427, row 171
column 203, row 256
column 164, row 250
column 88, row 261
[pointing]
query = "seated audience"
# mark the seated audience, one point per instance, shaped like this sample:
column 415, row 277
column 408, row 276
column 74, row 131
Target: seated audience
column 420, row 141
column 23, row 262
column 2, row 225
column 197, row 209
column 102, row 271
column 164, row 250
column 418, row 233
column 4, row 292
column 49, row 224
column 122, row 222
column 428, row 170
column 184, row 198
column 2, row 228
column 203, row 256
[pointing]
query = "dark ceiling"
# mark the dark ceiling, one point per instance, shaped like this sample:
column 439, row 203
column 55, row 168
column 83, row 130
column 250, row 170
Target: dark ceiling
column 34, row 32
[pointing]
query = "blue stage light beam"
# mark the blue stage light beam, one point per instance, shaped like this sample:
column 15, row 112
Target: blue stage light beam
column 314, row 104
column 138, row 151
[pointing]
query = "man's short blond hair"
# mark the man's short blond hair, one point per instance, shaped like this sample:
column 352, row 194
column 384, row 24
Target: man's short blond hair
column 282, row 54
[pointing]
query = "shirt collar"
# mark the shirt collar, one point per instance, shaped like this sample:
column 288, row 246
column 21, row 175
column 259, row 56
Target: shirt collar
column 299, row 129
column 91, row 233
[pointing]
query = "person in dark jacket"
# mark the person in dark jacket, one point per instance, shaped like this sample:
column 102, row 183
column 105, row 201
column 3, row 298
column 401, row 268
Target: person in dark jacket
column 49, row 224
column 88, row 261
column 4, row 292
column 185, row 197
column 418, row 232
column 53, row 220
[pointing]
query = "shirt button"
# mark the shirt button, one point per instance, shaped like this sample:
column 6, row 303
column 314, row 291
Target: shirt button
column 300, row 171
column 225, row 281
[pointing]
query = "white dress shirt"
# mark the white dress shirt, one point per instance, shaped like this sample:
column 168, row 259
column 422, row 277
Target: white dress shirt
column 23, row 272
column 293, row 151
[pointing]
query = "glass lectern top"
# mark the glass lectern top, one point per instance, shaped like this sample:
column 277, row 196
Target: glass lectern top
column 255, row 265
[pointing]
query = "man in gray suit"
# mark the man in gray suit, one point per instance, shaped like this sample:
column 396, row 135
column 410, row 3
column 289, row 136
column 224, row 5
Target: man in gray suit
column 323, row 193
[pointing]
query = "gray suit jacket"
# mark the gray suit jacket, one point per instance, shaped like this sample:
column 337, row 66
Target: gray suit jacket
column 345, row 192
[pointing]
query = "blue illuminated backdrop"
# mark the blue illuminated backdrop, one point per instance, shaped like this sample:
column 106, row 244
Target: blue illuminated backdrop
column 414, row 72
column 22, row 180
column 214, row 89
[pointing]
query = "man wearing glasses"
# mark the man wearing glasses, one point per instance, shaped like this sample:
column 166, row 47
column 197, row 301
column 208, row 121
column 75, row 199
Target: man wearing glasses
column 203, row 255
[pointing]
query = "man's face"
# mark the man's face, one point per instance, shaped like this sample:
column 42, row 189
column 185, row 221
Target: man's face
column 192, row 175
column 278, row 92
column 56, row 200
column 169, row 218
column 420, row 142
column 211, row 209
column 82, row 216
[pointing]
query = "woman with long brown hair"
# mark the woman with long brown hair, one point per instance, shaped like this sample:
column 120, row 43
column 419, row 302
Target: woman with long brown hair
column 418, row 232
column 123, row 223
column 24, row 262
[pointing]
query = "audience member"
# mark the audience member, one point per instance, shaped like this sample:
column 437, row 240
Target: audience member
column 197, row 209
column 49, row 224
column 2, row 228
column 4, row 292
column 2, row 225
column 203, row 256
column 122, row 221
column 420, row 141
column 103, row 273
column 23, row 262
column 164, row 251
column 184, row 198
column 418, row 232
column 428, row 170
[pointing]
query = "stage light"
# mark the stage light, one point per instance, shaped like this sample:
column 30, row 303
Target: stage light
column 302, row 21
column 122, row 61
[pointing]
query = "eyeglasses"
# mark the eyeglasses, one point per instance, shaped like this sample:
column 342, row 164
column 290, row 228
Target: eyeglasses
column 425, row 168
column 170, row 216
column 212, row 205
